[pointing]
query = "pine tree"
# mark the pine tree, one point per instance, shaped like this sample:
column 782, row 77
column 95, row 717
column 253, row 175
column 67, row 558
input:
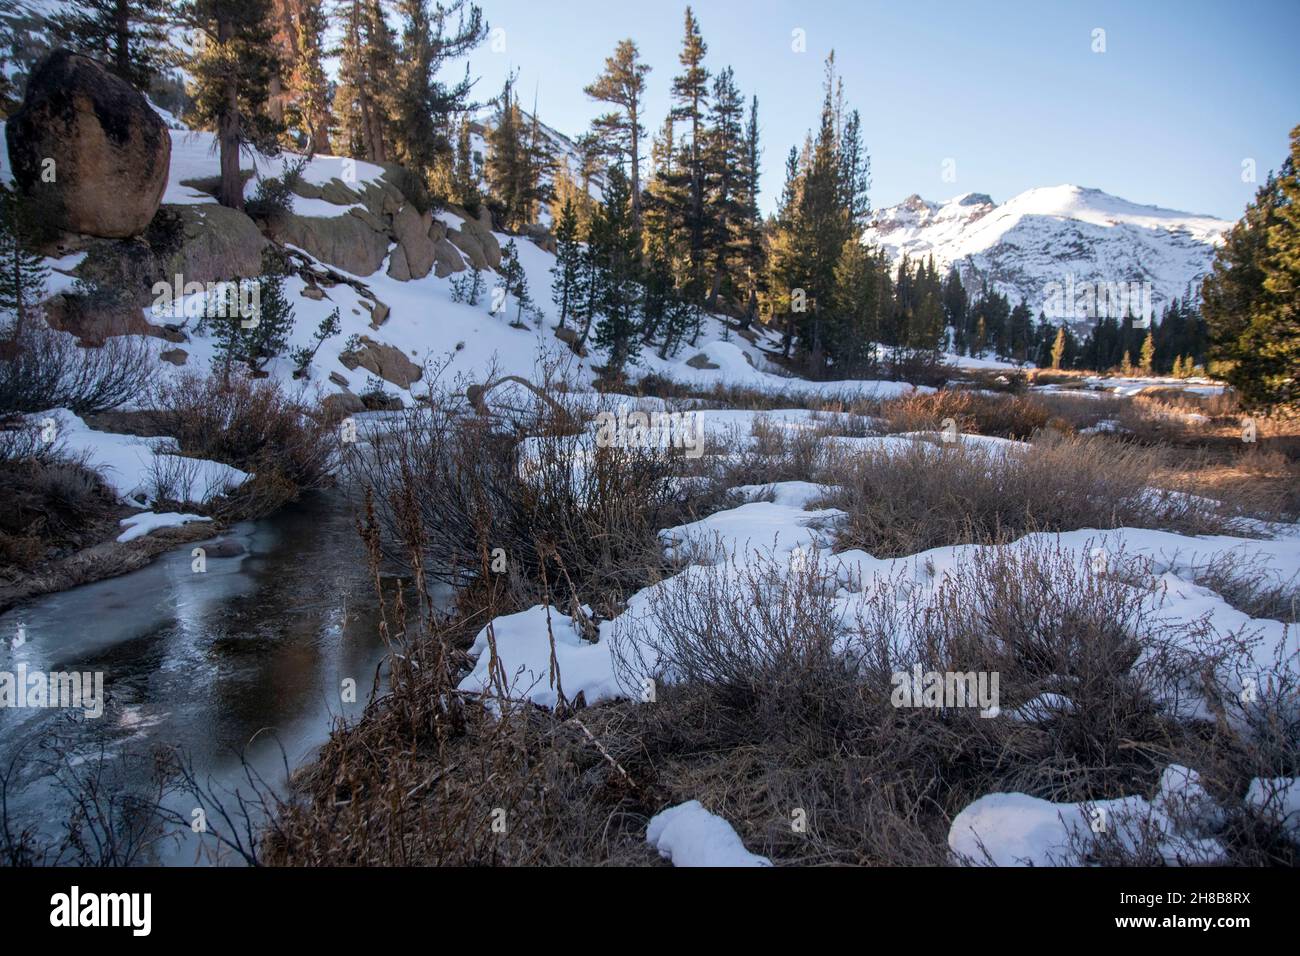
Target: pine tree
column 329, row 327
column 309, row 85
column 255, row 340
column 622, row 84
column 565, row 282
column 1148, row 354
column 421, row 104
column 619, row 294
column 130, row 36
column 514, row 284
column 1251, row 300
column 232, row 69
column 517, row 162
column 725, row 185
column 23, row 273
column 690, row 96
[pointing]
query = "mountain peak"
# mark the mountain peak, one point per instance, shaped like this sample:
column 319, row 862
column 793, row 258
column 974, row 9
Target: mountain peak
column 1053, row 234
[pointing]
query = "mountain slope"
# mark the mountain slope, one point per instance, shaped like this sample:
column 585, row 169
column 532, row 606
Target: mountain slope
column 1053, row 235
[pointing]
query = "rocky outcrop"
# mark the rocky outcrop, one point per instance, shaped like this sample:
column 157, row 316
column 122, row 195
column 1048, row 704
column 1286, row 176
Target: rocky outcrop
column 387, row 361
column 345, row 242
column 478, row 244
column 415, row 253
column 216, row 244
column 88, row 148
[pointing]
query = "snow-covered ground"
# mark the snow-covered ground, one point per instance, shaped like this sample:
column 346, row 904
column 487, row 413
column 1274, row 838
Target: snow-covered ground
column 132, row 466
column 781, row 529
column 424, row 322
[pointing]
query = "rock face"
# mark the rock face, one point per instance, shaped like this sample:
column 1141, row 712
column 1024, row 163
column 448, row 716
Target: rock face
column 110, row 150
column 345, row 242
column 387, row 361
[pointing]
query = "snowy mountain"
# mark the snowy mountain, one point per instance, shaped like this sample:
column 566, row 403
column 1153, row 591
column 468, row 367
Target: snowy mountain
column 1054, row 246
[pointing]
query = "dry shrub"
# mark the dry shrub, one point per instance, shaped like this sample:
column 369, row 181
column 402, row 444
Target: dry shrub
column 254, row 425
column 54, row 501
column 775, row 699
column 432, row 776
column 1003, row 416
column 901, row 501
column 1250, row 586
column 1081, row 410
column 44, row 369
column 565, row 514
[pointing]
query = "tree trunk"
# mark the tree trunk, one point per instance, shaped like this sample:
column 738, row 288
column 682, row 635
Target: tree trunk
column 636, row 168
column 231, row 191
column 122, row 38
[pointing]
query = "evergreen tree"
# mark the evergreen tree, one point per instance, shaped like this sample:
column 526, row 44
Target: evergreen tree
column 310, row 92
column 725, row 184
column 232, row 69
column 422, row 105
column 130, row 36
column 516, row 163
column 617, row 331
column 690, row 96
column 255, row 340
column 1058, row 348
column 1251, row 300
column 329, row 327
column 565, row 272
column 1148, row 353
column 622, row 84
column 514, row 284
column 23, row 273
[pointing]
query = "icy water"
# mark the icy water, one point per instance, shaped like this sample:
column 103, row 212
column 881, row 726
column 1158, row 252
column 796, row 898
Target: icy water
column 250, row 655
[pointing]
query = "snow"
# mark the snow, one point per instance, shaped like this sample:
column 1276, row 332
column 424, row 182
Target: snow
column 1280, row 797
column 127, row 462
column 137, row 526
column 689, row 835
column 1044, row 235
column 1015, row 829
column 523, row 644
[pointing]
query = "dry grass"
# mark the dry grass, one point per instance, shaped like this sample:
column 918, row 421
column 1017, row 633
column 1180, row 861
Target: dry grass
column 773, row 703
column 54, row 503
column 1003, row 416
column 902, row 501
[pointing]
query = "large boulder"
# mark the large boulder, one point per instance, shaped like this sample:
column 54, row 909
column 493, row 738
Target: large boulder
column 345, row 242
column 387, row 361
column 110, row 150
column 217, row 244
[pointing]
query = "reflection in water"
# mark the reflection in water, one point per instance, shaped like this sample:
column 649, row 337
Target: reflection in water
column 255, row 648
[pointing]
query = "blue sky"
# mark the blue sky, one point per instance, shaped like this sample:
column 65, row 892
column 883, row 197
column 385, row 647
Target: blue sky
column 1012, row 92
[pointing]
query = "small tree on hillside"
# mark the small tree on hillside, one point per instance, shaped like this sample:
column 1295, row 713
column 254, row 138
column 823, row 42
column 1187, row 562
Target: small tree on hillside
column 568, row 251
column 23, row 273
column 1058, row 348
column 254, row 339
column 514, row 283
